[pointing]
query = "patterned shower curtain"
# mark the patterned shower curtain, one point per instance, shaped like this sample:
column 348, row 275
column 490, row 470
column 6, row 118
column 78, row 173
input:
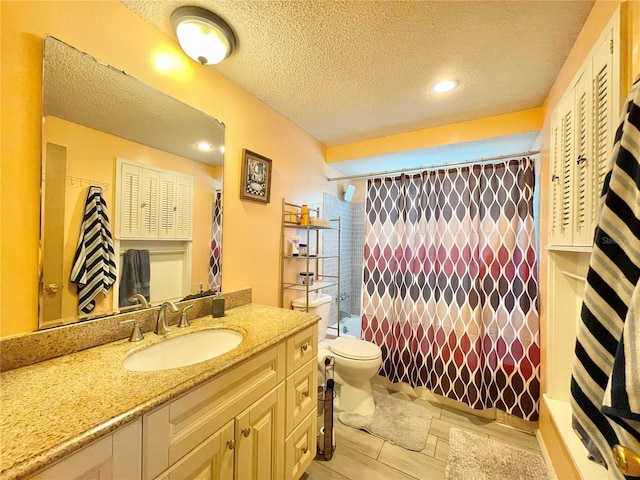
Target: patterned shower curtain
column 215, row 255
column 450, row 283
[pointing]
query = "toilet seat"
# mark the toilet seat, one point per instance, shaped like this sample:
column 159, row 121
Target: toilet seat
column 355, row 349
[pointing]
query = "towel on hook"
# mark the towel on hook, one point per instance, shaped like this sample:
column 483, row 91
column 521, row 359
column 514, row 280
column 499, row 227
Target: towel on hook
column 622, row 395
column 606, row 355
column 94, row 264
column 135, row 276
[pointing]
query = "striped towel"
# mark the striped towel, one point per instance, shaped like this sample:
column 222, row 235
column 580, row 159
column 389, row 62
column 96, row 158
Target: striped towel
column 94, row 265
column 606, row 356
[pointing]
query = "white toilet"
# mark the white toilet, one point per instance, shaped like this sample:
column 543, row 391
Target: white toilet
column 356, row 361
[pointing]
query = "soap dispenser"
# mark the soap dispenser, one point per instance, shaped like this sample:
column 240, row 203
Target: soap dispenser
column 217, row 305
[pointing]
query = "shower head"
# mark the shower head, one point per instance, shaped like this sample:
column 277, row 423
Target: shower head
column 348, row 194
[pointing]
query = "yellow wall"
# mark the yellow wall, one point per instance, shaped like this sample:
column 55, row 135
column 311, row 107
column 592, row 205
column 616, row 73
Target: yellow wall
column 482, row 128
column 115, row 35
column 91, row 155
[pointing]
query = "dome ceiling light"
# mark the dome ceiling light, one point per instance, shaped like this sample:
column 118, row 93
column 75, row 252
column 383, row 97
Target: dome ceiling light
column 204, row 36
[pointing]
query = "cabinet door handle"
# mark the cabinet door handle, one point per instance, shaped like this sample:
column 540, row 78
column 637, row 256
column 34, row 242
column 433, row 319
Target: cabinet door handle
column 304, row 450
column 581, row 159
column 246, row 432
column 231, row 443
column 554, row 177
column 305, row 394
column 305, row 347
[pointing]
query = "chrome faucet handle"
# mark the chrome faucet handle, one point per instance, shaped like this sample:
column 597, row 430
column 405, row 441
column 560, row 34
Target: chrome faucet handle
column 136, row 333
column 184, row 321
column 162, row 328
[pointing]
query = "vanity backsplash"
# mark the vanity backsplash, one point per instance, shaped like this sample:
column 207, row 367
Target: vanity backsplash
column 27, row 349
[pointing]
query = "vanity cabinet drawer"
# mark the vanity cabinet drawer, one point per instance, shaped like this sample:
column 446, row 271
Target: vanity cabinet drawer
column 300, row 447
column 115, row 456
column 301, row 394
column 302, row 347
column 178, row 427
column 213, row 459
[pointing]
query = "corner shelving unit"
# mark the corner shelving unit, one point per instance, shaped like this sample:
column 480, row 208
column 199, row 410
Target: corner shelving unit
column 291, row 266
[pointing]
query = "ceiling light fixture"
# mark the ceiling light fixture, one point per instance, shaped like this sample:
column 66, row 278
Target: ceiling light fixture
column 204, row 146
column 203, row 35
column 444, row 86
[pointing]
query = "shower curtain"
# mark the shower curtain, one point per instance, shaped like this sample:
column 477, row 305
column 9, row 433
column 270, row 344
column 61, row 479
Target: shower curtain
column 215, row 255
column 450, row 283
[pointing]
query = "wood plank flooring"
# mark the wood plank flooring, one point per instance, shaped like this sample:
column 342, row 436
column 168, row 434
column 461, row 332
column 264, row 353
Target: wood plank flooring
column 361, row 456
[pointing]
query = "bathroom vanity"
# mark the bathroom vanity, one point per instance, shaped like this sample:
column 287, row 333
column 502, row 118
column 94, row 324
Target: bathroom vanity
column 248, row 413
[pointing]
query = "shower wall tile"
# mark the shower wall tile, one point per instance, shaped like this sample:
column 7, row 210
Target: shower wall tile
column 351, row 252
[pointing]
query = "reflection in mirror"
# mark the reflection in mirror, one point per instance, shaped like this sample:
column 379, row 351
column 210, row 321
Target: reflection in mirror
column 154, row 162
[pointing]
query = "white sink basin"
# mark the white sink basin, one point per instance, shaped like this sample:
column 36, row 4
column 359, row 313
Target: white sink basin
column 185, row 350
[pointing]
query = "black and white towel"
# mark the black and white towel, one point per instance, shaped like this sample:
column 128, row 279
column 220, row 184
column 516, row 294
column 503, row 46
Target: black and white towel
column 94, row 265
column 605, row 393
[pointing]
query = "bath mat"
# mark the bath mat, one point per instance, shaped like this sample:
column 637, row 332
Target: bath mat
column 477, row 457
column 400, row 422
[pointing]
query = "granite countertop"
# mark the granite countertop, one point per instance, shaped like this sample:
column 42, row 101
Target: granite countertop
column 50, row 409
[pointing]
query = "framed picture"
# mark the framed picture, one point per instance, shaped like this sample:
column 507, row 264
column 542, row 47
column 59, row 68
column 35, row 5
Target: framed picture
column 256, row 177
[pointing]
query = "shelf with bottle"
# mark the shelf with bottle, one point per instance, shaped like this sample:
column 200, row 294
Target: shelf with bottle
column 310, row 248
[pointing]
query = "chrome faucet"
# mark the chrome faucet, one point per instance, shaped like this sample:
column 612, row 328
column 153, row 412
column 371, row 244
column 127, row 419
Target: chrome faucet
column 140, row 299
column 161, row 325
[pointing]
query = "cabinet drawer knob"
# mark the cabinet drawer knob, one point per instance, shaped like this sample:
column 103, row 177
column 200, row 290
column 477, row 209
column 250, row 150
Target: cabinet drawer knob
column 305, row 347
column 305, row 450
column 231, row 443
column 246, row 432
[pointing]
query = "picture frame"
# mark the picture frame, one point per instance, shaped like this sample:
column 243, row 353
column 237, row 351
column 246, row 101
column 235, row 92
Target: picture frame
column 256, row 177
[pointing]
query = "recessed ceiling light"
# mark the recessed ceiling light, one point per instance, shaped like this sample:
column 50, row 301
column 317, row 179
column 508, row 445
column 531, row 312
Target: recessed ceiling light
column 444, row 86
column 204, row 146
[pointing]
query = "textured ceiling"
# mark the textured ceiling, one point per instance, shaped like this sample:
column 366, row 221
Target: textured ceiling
column 79, row 89
column 346, row 71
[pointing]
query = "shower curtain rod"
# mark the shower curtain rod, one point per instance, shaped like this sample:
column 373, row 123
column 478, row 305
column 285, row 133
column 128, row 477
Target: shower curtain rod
column 429, row 167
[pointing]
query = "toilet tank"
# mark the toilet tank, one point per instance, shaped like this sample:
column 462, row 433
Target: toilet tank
column 320, row 304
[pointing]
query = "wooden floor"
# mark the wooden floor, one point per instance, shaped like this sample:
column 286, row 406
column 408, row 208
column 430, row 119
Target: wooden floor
column 361, row 456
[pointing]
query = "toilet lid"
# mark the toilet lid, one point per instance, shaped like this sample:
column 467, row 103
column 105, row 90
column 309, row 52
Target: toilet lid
column 355, row 349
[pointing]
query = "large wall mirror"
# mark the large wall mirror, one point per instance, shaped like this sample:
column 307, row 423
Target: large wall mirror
column 157, row 165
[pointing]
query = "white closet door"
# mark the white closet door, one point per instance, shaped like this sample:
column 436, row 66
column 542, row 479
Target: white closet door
column 583, row 231
column 150, row 211
column 130, row 201
column 167, row 206
column 555, row 185
column 567, row 156
column 605, row 103
column 184, row 202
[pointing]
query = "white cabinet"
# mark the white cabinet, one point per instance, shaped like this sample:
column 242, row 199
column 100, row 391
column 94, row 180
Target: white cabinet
column 241, row 424
column 153, row 203
column 582, row 130
column 116, row 456
column 256, row 421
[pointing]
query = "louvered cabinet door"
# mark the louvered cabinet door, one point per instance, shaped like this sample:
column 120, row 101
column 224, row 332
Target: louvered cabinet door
column 605, row 111
column 167, row 206
column 564, row 235
column 555, row 187
column 130, row 200
column 149, row 205
column 582, row 159
column 184, row 207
